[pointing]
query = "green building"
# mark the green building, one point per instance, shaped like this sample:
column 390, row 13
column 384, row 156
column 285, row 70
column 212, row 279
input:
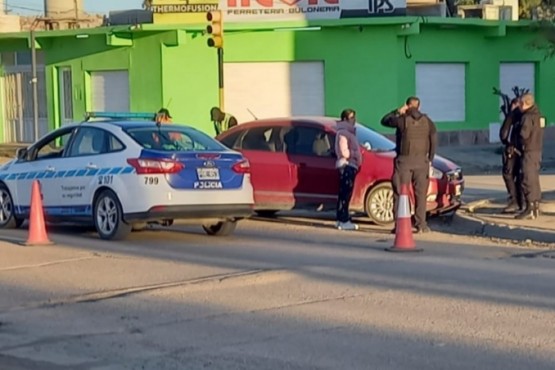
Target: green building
column 277, row 69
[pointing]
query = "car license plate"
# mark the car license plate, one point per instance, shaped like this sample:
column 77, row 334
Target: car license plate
column 208, row 174
column 457, row 190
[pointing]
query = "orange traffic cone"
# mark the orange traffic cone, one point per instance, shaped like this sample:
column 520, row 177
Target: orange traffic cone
column 37, row 228
column 404, row 242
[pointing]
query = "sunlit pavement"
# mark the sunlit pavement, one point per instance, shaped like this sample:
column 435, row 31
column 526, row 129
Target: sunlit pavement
column 279, row 294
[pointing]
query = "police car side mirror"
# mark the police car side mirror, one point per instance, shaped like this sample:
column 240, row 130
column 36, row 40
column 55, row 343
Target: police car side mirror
column 21, row 153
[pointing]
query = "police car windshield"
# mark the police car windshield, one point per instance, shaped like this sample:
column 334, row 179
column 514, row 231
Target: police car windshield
column 173, row 138
column 373, row 140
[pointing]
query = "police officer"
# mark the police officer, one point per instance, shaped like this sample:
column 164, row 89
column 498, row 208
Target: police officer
column 531, row 145
column 508, row 134
column 222, row 121
column 416, row 138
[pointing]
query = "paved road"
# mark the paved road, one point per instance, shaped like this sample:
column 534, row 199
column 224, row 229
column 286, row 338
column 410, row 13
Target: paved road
column 274, row 296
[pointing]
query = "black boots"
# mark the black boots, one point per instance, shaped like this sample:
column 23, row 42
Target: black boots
column 531, row 212
column 511, row 208
column 514, row 205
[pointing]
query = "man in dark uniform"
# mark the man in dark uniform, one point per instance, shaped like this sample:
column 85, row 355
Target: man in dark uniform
column 531, row 144
column 416, row 138
column 508, row 134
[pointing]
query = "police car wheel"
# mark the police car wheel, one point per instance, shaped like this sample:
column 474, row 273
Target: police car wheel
column 108, row 217
column 379, row 204
column 7, row 215
column 221, row 228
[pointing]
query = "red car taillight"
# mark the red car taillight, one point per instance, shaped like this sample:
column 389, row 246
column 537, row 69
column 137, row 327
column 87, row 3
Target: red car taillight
column 242, row 167
column 155, row 166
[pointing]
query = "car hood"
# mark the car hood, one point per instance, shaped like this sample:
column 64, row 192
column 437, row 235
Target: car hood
column 441, row 163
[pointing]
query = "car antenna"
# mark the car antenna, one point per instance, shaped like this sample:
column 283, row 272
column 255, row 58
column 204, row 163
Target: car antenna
column 252, row 114
column 158, row 124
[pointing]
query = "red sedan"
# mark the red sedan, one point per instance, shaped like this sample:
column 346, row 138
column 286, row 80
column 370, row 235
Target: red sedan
column 293, row 167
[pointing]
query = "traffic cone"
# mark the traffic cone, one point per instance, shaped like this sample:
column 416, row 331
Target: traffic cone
column 37, row 228
column 404, row 241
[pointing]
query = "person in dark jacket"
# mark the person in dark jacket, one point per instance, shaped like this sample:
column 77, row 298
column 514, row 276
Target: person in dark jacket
column 531, row 145
column 416, row 139
column 508, row 134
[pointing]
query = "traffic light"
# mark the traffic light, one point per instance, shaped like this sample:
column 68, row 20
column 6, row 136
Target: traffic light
column 215, row 29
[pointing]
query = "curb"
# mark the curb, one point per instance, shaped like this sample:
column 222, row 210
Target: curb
column 547, row 206
column 484, row 228
column 467, row 223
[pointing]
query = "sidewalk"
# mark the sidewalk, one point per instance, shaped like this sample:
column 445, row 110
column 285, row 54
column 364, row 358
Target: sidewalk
column 484, row 218
column 486, row 159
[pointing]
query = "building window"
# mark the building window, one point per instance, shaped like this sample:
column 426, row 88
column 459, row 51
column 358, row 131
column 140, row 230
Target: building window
column 521, row 75
column 20, row 58
column 442, row 91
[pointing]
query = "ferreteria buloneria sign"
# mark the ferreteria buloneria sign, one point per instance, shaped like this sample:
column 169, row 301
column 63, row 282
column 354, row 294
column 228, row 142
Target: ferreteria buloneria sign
column 193, row 11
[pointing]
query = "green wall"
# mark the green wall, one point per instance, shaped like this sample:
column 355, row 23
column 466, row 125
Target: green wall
column 174, row 68
column 370, row 67
column 83, row 56
column 190, row 81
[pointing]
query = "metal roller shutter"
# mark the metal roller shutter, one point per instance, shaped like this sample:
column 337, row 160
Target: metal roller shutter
column 110, row 91
column 274, row 89
column 522, row 75
column 441, row 89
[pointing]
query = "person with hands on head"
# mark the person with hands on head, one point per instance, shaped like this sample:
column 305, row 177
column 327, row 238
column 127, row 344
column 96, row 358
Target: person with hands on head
column 416, row 142
column 349, row 159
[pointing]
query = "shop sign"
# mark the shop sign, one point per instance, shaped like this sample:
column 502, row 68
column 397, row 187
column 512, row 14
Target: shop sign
column 194, row 11
column 287, row 10
column 182, row 11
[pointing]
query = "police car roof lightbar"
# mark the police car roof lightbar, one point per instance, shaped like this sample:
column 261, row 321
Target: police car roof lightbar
column 120, row 115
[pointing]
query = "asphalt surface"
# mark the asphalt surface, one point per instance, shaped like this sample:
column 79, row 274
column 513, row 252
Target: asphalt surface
column 276, row 295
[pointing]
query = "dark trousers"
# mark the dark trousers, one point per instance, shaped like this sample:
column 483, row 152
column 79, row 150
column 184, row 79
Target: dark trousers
column 346, row 185
column 413, row 171
column 531, row 162
column 513, row 178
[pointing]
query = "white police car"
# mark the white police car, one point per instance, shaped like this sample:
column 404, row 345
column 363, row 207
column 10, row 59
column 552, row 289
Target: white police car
column 120, row 172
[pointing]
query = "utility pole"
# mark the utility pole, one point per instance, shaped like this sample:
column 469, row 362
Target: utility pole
column 34, row 80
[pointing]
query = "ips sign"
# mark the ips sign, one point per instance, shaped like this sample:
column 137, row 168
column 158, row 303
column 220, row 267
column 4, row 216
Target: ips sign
column 268, row 10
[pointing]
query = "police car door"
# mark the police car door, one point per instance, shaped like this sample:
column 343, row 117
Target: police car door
column 87, row 163
column 40, row 163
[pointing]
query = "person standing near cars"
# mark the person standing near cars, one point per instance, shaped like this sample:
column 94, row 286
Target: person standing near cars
column 531, row 144
column 222, row 121
column 508, row 134
column 163, row 116
column 416, row 141
column 349, row 159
